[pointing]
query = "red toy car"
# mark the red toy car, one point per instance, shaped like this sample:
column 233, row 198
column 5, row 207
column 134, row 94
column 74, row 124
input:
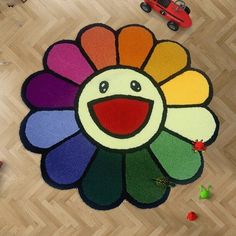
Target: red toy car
column 176, row 12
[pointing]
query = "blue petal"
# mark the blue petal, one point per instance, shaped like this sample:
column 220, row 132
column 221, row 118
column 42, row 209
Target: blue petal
column 43, row 129
column 65, row 164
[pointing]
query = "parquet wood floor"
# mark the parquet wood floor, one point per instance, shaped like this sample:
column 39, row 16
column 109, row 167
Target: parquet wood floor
column 28, row 206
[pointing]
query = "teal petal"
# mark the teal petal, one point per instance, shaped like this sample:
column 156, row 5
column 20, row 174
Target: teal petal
column 177, row 157
column 102, row 185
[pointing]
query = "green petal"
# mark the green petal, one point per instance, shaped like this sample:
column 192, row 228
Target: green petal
column 177, row 157
column 140, row 172
column 102, row 187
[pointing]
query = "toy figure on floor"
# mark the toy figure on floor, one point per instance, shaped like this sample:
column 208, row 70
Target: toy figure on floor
column 164, row 182
column 199, row 146
column 176, row 12
column 205, row 193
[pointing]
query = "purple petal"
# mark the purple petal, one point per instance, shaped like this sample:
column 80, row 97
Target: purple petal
column 66, row 164
column 44, row 90
column 66, row 59
column 44, row 129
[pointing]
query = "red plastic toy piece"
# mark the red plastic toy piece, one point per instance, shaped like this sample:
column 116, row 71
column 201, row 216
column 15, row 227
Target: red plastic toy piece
column 191, row 216
column 199, row 146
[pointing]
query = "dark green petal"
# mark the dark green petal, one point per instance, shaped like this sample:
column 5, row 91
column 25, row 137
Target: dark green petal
column 140, row 172
column 102, row 187
column 177, row 157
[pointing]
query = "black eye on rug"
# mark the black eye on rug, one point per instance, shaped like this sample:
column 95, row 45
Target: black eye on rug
column 135, row 85
column 103, row 87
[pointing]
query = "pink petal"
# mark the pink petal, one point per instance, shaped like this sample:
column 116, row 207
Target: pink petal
column 66, row 59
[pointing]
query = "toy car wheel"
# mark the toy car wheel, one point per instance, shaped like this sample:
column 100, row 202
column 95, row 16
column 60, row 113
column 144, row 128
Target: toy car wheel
column 145, row 7
column 187, row 10
column 172, row 25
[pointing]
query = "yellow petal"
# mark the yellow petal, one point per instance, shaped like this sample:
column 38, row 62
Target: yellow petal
column 167, row 58
column 188, row 88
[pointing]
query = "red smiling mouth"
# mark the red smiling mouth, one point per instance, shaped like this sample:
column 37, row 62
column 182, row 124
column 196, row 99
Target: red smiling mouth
column 121, row 116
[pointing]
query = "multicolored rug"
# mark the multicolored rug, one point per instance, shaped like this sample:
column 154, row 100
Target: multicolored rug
column 114, row 110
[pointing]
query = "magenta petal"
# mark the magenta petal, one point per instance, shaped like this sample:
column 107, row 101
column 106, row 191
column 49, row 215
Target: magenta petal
column 44, row 90
column 66, row 59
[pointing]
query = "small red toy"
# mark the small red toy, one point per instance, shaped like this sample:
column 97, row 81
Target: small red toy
column 176, row 12
column 199, row 146
column 191, row 216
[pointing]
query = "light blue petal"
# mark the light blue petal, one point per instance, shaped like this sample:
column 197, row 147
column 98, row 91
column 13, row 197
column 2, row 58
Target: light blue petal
column 46, row 128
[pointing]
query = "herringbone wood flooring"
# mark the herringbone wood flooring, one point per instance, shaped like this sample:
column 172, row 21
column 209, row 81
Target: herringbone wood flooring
column 28, row 206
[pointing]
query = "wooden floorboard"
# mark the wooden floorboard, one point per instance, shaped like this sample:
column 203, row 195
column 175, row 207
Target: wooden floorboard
column 28, row 206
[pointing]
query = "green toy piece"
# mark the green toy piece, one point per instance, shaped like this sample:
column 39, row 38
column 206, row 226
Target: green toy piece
column 205, row 193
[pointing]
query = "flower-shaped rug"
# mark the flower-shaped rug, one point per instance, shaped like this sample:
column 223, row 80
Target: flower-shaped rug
column 113, row 111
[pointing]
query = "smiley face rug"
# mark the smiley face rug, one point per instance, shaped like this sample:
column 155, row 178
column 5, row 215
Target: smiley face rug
column 112, row 111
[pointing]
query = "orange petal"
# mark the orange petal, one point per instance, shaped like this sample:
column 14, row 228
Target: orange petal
column 167, row 58
column 99, row 44
column 135, row 42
